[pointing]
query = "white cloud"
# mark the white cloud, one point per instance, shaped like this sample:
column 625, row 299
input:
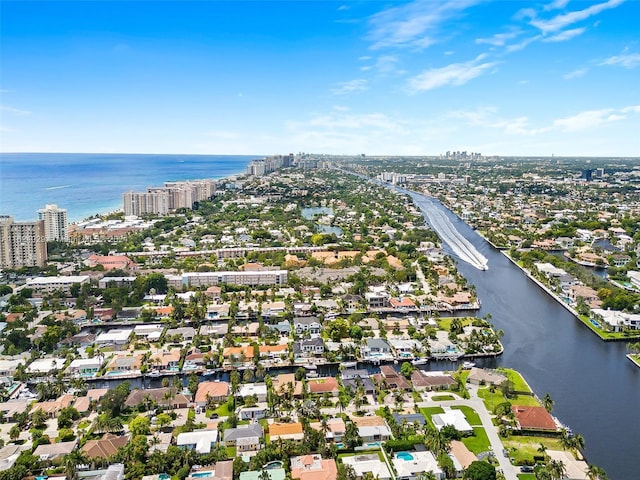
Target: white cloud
column 487, row 117
column 565, row 35
column 351, row 86
column 499, row 39
column 453, row 74
column 575, row 74
column 594, row 118
column 627, row 60
column 523, row 44
column 14, row 111
column 563, row 20
column 556, row 5
column 416, row 24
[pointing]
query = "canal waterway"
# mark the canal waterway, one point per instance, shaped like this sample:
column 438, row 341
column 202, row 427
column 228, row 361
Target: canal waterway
column 595, row 388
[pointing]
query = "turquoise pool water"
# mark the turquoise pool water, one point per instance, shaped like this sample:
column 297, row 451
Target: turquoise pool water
column 273, row 465
column 594, row 323
column 406, row 456
column 201, row 474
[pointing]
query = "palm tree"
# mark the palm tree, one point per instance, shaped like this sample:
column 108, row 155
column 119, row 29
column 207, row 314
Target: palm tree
column 14, row 433
column 556, row 469
column 547, row 402
column 596, row 473
column 577, row 441
column 39, row 418
column 543, row 450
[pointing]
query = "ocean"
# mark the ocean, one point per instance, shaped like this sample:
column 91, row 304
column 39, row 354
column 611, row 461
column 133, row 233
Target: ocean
column 89, row 184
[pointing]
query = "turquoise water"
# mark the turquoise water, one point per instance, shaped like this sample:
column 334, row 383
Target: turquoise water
column 86, row 184
column 406, row 456
column 594, row 323
column 273, row 465
column 201, row 474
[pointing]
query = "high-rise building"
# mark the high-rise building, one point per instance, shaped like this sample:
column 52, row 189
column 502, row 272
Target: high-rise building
column 55, row 223
column 22, row 244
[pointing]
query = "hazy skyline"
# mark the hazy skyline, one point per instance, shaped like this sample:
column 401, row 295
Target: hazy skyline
column 415, row 78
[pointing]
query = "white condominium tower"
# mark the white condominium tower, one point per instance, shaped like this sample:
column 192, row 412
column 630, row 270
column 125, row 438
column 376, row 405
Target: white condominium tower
column 55, row 223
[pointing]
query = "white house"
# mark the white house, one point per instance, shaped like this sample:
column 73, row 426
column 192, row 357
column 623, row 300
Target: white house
column 199, row 440
column 454, row 418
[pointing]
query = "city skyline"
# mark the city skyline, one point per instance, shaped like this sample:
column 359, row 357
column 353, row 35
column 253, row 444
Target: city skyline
column 405, row 78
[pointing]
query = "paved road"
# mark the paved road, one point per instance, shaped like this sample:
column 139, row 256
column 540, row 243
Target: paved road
column 510, row 472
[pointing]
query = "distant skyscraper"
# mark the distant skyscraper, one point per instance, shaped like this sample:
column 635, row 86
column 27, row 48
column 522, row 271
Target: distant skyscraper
column 55, row 223
column 22, row 244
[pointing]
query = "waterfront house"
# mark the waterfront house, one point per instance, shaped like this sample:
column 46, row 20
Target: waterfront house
column 165, row 360
column 43, row 366
column 355, row 378
column 617, row 320
column 218, row 312
column 285, row 381
column 199, row 440
column 323, row 385
column 429, row 381
column 274, row 353
column 313, row 467
column 148, row 331
column 270, row 473
column 533, row 418
column 392, row 378
column 259, row 390
column 479, row 376
column 283, row 328
column 308, row 348
column 217, row 330
column 376, row 347
column 211, row 391
column 369, row 463
column 376, row 299
column 125, row 363
column 164, row 396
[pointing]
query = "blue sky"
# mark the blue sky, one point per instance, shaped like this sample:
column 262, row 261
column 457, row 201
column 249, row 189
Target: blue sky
column 377, row 77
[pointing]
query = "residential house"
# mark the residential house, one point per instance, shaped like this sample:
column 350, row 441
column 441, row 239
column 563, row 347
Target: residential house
column 313, row 467
column 54, row 451
column 455, row 418
column 429, row 381
column 150, row 332
column 320, row 386
column 336, row 429
column 377, row 300
column 253, row 413
column 259, row 390
column 310, row 325
column 199, row 440
column 217, row 330
column 533, row 418
column 105, row 447
column 479, row 376
column 355, row 378
column 286, row 431
column 409, row 419
column 411, row 465
column 285, row 381
column 376, row 348
column 185, row 333
column 271, row 473
column 165, row 360
column 392, row 378
column 307, row 348
column 372, row 429
column 369, row 463
column 218, row 312
column 218, row 471
column 115, row 338
column 283, row 327
column 462, row 454
column 123, row 363
column 245, row 438
column 211, row 391
column 84, row 367
column 164, row 396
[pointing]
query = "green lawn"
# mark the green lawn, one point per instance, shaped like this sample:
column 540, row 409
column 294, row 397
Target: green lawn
column 231, row 452
column 518, row 382
column 606, row 335
column 445, row 323
column 479, row 442
column 353, row 454
column 428, row 411
column 526, row 476
column 442, row 398
column 491, row 400
column 223, row 410
column 524, row 448
column 472, row 417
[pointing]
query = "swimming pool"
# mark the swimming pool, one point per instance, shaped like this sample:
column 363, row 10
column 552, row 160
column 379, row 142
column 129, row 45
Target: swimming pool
column 594, row 323
column 406, row 456
column 201, row 474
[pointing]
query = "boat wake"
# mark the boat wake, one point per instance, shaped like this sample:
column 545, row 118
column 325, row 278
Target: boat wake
column 58, row 187
column 449, row 234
